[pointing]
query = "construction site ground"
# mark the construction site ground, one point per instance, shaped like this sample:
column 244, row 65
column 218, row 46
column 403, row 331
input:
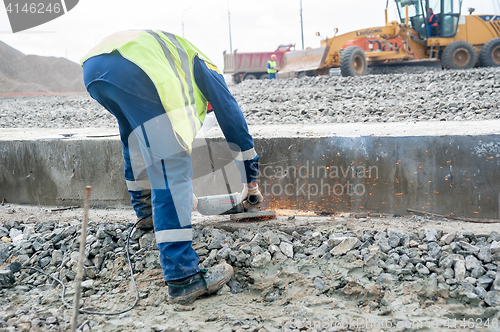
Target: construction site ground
column 301, row 304
column 300, row 271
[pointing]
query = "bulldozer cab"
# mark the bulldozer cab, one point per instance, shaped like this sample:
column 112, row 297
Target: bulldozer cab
column 444, row 24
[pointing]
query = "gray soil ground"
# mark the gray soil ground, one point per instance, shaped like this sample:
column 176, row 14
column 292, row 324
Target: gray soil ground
column 297, row 272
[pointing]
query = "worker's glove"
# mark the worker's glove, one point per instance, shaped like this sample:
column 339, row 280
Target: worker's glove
column 195, row 203
column 251, row 192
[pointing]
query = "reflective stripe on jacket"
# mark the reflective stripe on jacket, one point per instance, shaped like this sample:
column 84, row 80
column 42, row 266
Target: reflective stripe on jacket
column 168, row 61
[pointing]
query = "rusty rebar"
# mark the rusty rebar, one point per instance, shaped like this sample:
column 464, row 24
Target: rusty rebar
column 81, row 259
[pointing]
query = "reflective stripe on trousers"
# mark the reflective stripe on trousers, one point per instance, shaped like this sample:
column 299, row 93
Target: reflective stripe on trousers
column 152, row 155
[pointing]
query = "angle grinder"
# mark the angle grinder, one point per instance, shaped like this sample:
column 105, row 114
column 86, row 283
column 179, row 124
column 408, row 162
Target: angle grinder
column 232, row 204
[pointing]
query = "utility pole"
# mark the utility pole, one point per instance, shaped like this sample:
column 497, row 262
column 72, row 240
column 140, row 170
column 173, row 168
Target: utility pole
column 496, row 6
column 229, row 22
column 301, row 25
column 182, row 19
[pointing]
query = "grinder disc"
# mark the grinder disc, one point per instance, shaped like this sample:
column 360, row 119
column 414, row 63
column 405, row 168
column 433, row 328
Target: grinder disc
column 252, row 215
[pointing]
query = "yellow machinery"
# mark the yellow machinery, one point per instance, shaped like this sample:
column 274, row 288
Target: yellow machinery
column 458, row 41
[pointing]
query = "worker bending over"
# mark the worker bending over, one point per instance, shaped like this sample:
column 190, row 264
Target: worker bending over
column 157, row 85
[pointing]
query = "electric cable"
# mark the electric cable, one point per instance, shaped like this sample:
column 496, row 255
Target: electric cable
column 95, row 312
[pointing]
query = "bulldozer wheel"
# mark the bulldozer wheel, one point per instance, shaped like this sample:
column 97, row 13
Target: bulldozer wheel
column 459, row 55
column 490, row 53
column 353, row 61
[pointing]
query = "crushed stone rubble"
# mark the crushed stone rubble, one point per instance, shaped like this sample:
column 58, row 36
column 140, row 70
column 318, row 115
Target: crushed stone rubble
column 376, row 268
column 427, row 96
column 56, row 111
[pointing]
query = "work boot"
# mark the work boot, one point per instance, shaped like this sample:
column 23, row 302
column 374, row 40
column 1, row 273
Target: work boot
column 145, row 223
column 186, row 290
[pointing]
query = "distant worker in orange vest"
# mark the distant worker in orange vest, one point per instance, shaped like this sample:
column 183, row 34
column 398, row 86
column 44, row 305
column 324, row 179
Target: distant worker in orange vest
column 432, row 23
column 271, row 67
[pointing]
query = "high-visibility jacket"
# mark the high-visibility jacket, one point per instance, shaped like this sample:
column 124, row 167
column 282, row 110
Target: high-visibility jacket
column 168, row 61
column 271, row 67
column 433, row 20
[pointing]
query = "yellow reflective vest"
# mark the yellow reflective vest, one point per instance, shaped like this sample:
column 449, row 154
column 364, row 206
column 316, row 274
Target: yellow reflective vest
column 168, row 61
column 271, row 64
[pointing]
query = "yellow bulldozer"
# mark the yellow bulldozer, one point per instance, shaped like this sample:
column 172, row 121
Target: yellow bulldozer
column 430, row 31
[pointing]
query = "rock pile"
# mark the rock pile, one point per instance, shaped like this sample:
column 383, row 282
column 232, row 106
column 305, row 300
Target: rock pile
column 430, row 96
column 464, row 266
column 63, row 111
column 458, row 264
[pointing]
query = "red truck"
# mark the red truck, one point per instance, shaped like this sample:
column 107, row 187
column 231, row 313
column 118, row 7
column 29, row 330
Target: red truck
column 251, row 66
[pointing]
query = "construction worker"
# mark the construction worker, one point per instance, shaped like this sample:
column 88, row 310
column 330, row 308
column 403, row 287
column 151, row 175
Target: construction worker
column 432, row 23
column 157, row 85
column 271, row 67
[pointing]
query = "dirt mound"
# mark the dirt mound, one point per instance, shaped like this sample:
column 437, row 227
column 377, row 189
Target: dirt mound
column 20, row 73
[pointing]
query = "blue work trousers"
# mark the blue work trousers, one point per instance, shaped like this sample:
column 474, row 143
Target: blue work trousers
column 158, row 170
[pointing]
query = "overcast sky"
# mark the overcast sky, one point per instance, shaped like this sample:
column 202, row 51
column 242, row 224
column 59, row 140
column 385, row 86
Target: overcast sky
column 256, row 25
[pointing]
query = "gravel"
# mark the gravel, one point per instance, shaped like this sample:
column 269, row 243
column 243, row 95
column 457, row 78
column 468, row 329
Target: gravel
column 420, row 260
column 430, row 96
column 59, row 111
column 283, row 268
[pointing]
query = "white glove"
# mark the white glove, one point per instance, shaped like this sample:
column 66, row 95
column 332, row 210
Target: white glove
column 254, row 191
column 195, row 202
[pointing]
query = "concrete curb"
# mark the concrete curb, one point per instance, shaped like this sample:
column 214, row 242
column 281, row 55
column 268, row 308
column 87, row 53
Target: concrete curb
column 436, row 167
